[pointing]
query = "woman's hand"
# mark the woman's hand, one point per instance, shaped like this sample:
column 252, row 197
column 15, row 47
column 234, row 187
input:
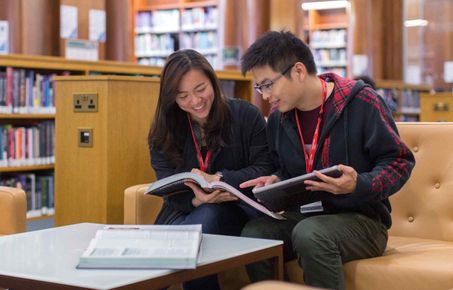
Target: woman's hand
column 260, row 181
column 344, row 184
column 201, row 196
column 207, row 177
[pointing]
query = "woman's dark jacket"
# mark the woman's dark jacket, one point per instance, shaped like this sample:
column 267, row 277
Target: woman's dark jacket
column 246, row 157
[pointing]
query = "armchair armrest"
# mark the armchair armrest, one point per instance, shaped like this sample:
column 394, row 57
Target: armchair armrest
column 13, row 210
column 140, row 208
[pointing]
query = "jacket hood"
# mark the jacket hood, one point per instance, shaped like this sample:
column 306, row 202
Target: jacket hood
column 342, row 91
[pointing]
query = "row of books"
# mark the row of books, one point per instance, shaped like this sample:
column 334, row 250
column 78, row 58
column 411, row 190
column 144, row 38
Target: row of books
column 155, row 45
column 157, row 21
column 163, row 21
column 26, row 92
column 329, row 38
column 401, row 101
column 152, row 61
column 199, row 18
column 202, row 41
column 160, row 60
column 330, row 57
column 26, row 146
column 39, row 189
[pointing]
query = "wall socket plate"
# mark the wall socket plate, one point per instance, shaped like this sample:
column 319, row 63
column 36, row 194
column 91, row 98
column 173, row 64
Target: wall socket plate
column 85, row 137
column 85, row 102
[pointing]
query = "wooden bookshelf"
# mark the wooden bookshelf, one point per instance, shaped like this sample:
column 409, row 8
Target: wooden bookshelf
column 41, row 217
column 27, row 168
column 162, row 27
column 327, row 34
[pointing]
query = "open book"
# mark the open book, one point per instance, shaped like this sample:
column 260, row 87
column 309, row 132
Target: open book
column 143, row 247
column 281, row 195
column 174, row 184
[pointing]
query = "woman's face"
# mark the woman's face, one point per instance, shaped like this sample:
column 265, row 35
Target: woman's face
column 195, row 95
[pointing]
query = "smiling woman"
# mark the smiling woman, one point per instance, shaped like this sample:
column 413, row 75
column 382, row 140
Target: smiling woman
column 196, row 128
column 195, row 95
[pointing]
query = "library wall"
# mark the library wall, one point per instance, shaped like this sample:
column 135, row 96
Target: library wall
column 40, row 26
column 287, row 15
column 430, row 45
column 119, row 37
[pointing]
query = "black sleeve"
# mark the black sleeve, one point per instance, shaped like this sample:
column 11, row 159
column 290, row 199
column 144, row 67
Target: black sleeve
column 252, row 127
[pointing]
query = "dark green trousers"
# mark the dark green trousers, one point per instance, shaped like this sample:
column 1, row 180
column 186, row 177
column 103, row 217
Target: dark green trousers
column 321, row 243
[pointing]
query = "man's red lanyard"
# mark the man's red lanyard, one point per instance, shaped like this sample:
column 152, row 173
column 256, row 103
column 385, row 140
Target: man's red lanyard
column 203, row 163
column 309, row 159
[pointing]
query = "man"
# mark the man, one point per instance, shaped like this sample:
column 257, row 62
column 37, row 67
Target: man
column 321, row 121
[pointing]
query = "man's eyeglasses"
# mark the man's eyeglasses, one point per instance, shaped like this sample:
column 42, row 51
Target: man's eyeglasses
column 267, row 86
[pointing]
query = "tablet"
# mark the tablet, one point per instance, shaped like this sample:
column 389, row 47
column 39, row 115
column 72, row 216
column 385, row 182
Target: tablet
column 280, row 195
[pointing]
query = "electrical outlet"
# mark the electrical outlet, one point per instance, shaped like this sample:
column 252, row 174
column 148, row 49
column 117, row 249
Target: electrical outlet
column 85, row 136
column 85, row 102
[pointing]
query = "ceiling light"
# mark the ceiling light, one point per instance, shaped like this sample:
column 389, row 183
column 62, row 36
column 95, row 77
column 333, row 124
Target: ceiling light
column 320, row 5
column 415, row 22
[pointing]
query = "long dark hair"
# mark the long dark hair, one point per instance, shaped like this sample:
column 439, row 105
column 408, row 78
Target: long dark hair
column 169, row 127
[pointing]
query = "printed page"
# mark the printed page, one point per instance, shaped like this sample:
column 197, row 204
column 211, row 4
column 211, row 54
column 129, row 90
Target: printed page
column 246, row 199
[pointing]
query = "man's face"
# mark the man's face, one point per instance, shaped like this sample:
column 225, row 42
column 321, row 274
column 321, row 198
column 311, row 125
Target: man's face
column 275, row 87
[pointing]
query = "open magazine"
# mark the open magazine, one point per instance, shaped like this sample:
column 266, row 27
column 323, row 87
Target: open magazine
column 281, row 195
column 143, row 247
column 174, row 184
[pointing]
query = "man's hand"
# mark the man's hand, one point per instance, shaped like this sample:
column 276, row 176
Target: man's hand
column 201, row 196
column 207, row 177
column 260, row 181
column 344, row 184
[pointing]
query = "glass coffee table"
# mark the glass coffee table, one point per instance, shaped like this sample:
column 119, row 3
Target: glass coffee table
column 47, row 259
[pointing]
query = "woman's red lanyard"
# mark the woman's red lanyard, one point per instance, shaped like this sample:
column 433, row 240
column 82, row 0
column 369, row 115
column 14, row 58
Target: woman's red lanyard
column 309, row 159
column 203, row 163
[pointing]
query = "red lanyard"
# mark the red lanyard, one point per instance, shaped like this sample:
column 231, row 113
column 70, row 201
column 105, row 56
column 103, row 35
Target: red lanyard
column 309, row 159
column 203, row 163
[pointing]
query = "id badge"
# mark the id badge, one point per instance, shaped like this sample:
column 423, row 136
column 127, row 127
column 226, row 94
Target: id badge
column 312, row 207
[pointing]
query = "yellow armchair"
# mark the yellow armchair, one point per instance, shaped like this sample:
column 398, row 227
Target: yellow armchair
column 13, row 210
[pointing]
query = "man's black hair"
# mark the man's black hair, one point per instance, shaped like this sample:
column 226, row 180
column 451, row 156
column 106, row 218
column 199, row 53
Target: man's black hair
column 278, row 50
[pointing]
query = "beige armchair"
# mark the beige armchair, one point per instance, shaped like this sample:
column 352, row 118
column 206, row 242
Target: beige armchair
column 13, row 210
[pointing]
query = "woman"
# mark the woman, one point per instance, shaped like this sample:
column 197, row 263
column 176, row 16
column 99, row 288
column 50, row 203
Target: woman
column 197, row 129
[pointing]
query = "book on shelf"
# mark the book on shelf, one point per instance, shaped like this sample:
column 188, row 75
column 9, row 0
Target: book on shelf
column 281, row 195
column 143, row 247
column 174, row 184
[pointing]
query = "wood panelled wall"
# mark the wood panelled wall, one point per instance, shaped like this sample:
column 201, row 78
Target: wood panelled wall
column 377, row 31
column 436, row 43
column 120, row 32
column 376, row 27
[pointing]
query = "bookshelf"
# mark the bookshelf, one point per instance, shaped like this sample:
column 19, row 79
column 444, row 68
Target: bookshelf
column 326, row 32
column 232, row 82
column 402, row 99
column 162, row 27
